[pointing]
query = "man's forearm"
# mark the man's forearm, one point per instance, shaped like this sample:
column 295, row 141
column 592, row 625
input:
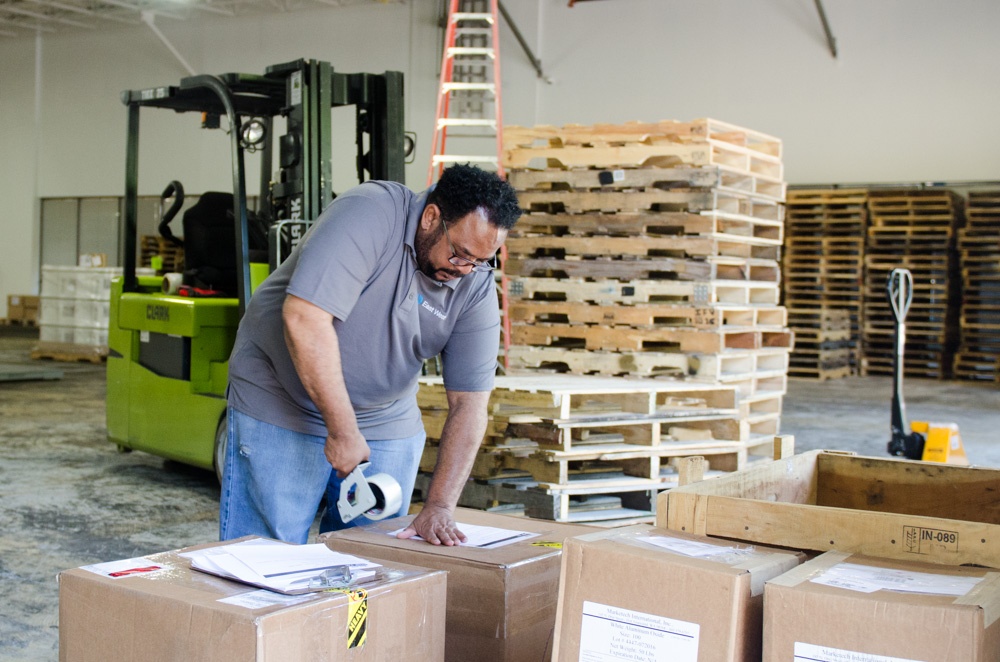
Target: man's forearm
column 460, row 441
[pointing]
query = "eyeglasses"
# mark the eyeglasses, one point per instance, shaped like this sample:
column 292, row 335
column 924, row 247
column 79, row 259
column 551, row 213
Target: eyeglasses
column 459, row 261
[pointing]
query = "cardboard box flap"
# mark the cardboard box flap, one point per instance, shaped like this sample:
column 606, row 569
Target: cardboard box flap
column 985, row 595
column 759, row 562
column 977, row 597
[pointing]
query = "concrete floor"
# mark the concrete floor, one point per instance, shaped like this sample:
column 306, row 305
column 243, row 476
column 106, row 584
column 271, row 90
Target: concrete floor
column 69, row 498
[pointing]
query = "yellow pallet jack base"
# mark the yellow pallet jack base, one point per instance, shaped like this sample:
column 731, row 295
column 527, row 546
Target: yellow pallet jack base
column 944, row 443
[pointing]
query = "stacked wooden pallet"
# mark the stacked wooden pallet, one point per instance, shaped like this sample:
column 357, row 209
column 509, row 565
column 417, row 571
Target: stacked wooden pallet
column 578, row 448
column 650, row 249
column 823, row 271
column 978, row 356
column 915, row 229
column 170, row 255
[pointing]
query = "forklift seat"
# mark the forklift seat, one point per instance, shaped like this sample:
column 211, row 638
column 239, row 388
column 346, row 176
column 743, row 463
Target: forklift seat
column 210, row 243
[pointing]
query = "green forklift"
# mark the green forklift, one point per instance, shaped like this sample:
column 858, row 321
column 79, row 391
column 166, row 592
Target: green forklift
column 169, row 338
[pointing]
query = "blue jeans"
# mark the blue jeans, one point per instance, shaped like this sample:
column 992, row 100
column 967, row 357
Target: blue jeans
column 275, row 479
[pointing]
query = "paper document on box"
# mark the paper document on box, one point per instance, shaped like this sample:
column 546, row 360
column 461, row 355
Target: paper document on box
column 279, row 566
column 484, row 536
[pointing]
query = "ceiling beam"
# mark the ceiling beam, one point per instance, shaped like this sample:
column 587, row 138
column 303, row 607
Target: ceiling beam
column 43, row 17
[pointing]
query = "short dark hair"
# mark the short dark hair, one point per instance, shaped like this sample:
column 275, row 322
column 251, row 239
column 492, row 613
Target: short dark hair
column 464, row 188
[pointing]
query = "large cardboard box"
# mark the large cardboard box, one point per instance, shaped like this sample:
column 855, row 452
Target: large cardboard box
column 501, row 601
column 823, row 500
column 642, row 593
column 854, row 619
column 158, row 608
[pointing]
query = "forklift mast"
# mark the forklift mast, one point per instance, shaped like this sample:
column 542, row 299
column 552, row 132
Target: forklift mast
column 303, row 92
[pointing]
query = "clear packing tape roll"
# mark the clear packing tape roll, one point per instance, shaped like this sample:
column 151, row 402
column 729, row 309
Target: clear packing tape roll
column 172, row 283
column 376, row 497
column 388, row 497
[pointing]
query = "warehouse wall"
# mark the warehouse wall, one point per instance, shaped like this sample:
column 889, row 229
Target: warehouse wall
column 911, row 97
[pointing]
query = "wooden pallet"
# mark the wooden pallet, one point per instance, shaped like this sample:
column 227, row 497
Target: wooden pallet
column 614, row 501
column 70, row 352
column 656, row 338
column 650, row 246
column 717, row 368
column 695, row 130
column 606, row 291
column 717, row 178
column 820, row 373
column 710, row 316
column 155, row 246
column 716, row 224
column 562, row 396
column 27, row 323
column 655, row 200
column 657, row 268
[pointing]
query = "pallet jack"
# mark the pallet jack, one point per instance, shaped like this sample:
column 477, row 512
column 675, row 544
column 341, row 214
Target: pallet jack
column 929, row 442
column 169, row 347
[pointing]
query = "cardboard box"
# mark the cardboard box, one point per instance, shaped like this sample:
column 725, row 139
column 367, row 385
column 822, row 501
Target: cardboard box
column 642, row 593
column 806, row 620
column 176, row 613
column 15, row 307
column 501, row 601
column 823, row 501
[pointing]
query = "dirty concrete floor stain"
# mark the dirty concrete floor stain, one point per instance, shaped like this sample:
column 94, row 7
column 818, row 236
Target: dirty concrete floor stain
column 69, row 498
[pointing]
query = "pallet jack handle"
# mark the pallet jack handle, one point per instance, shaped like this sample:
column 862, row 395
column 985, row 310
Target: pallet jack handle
column 899, row 290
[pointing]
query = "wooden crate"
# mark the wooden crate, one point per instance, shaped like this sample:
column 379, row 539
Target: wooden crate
column 823, row 500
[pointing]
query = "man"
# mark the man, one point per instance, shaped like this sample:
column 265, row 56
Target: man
column 324, row 371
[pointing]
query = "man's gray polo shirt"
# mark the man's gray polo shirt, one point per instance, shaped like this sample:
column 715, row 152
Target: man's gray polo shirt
column 358, row 263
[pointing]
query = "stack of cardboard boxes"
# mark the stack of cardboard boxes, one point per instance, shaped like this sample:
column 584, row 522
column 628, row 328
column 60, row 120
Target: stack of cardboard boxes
column 22, row 310
column 545, row 591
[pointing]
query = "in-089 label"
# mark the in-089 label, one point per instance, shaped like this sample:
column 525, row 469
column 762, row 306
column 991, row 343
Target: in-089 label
column 920, row 540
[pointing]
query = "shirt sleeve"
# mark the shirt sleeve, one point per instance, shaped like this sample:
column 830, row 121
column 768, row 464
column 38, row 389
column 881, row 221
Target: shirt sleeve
column 343, row 251
column 470, row 355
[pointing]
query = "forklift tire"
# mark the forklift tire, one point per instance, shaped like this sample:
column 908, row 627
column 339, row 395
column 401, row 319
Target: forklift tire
column 221, row 445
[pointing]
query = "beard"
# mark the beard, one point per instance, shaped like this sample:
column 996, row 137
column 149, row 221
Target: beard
column 422, row 244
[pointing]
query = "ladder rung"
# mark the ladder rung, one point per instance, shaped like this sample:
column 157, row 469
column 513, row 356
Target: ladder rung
column 468, row 50
column 471, row 16
column 459, row 87
column 466, row 121
column 455, row 158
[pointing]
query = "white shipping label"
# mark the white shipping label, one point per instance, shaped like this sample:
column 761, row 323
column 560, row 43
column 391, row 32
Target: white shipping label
column 810, row 653
column 124, row 568
column 611, row 633
column 868, row 579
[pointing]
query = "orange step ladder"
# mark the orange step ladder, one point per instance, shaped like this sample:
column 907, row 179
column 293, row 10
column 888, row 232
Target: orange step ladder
column 469, row 100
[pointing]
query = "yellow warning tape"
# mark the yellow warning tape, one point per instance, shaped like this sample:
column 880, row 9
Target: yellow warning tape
column 357, row 616
column 547, row 543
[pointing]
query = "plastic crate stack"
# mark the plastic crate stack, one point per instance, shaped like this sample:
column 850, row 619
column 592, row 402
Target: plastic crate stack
column 74, row 312
column 916, row 230
column 823, row 272
column 978, row 355
column 651, row 250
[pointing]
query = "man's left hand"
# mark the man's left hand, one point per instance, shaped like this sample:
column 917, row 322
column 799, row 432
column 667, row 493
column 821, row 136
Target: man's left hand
column 436, row 525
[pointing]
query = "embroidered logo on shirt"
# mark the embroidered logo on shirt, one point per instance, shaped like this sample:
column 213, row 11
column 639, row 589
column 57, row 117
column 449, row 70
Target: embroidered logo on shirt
column 426, row 304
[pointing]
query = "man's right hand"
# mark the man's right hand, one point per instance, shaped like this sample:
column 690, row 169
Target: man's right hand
column 345, row 451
